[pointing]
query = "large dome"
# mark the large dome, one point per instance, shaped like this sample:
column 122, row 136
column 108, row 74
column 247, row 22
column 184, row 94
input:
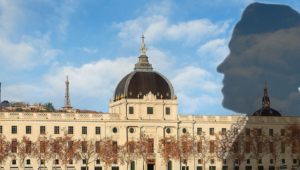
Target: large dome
column 144, row 80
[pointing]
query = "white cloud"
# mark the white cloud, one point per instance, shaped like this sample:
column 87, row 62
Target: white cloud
column 192, row 78
column 193, row 105
column 89, row 50
column 214, row 51
column 158, row 27
column 94, row 82
column 196, row 89
column 162, row 8
column 24, row 51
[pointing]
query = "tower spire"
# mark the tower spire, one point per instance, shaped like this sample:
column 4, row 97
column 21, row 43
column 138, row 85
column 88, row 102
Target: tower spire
column 67, row 97
column 143, row 63
column 265, row 99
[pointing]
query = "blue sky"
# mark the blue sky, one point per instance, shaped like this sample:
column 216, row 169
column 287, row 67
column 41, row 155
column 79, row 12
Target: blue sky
column 96, row 43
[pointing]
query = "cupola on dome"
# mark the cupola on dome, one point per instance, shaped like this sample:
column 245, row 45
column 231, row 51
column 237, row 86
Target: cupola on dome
column 143, row 80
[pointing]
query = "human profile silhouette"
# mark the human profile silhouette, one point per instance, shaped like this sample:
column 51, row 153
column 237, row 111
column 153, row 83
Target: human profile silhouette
column 265, row 45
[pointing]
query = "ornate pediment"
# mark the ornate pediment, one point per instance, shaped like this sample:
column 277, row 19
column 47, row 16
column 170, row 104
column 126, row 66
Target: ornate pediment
column 149, row 97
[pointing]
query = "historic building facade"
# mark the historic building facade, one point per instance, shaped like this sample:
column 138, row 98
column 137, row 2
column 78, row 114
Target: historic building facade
column 144, row 102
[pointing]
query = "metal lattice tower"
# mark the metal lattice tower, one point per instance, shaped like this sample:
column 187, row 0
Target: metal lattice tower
column 67, row 96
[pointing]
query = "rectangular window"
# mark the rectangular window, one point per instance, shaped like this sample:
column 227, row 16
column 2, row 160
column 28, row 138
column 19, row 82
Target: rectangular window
column 151, row 145
column 131, row 111
column 282, row 147
column 248, row 161
column 259, row 131
column 294, row 147
column 84, row 146
column 271, row 147
column 260, row 147
column 98, row 161
column 282, row 132
column 70, row 145
column 150, row 110
column 212, row 147
column 212, row 167
column 183, row 168
column 248, row 132
column 199, row 147
column 270, row 132
column 236, row 147
column 260, row 167
column 283, row 161
column 294, row 161
column 248, row 167
column 84, row 130
column 115, row 146
column 225, row 168
column 42, row 146
column 97, row 146
column 98, row 168
column 42, row 161
column 28, row 129
column 70, row 129
column 14, row 162
column 271, row 161
column 167, row 111
column 199, row 131
column 247, row 147
column 260, row 161
column 211, row 131
column 14, row 129
column 223, row 131
column 71, row 162
column 83, row 168
column 42, row 129
column 1, row 129
column 199, row 161
column 199, row 167
column 28, row 147
column 224, row 161
column 84, row 161
column 236, row 131
column 28, row 161
column 131, row 147
column 56, row 162
column 115, row 168
column 14, row 146
column 98, row 130
column 212, row 161
column 56, row 129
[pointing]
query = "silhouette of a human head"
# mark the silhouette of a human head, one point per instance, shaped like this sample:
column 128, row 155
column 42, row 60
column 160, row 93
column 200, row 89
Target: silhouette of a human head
column 265, row 45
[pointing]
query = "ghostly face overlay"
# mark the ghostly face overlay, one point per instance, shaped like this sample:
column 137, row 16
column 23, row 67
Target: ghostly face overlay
column 270, row 56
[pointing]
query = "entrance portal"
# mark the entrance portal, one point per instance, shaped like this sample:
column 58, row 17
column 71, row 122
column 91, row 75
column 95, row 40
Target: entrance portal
column 150, row 167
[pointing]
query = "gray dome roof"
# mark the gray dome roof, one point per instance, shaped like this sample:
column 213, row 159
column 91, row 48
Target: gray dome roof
column 266, row 111
column 141, row 82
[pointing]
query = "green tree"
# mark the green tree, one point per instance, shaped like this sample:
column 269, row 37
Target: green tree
column 49, row 107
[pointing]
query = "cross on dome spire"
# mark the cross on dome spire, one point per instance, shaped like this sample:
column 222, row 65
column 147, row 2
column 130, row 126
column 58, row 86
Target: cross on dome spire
column 265, row 84
column 143, row 63
column 143, row 38
column 143, row 48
